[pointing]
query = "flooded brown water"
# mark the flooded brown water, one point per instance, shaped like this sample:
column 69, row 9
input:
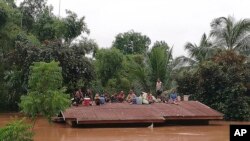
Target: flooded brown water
column 216, row 131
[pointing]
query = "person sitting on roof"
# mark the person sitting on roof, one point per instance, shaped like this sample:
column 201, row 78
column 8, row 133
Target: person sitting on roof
column 97, row 99
column 107, row 97
column 131, row 97
column 113, row 98
column 145, row 98
column 121, row 96
column 173, row 97
column 150, row 98
column 78, row 96
column 89, row 94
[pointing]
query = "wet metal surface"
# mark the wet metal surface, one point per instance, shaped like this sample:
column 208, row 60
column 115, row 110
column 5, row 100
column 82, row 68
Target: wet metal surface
column 124, row 112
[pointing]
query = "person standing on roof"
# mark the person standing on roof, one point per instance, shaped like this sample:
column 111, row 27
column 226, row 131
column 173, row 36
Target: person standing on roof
column 158, row 88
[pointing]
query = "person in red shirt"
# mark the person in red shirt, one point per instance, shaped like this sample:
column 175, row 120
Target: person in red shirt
column 121, row 96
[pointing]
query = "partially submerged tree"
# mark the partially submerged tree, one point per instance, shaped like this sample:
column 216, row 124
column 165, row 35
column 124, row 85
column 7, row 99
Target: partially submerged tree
column 16, row 130
column 45, row 96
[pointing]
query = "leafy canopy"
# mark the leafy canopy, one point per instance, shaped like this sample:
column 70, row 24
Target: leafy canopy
column 16, row 130
column 231, row 34
column 108, row 63
column 159, row 58
column 131, row 42
column 45, row 94
column 221, row 84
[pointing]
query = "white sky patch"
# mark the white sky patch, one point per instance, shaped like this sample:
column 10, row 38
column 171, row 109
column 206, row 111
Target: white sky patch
column 175, row 21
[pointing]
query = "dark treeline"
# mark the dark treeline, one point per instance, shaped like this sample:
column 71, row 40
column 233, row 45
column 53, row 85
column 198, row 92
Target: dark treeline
column 215, row 73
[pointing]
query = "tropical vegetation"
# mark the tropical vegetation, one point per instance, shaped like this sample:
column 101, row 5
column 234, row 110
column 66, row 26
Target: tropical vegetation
column 16, row 130
column 45, row 58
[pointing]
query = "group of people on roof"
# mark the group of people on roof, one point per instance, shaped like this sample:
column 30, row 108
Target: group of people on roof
column 121, row 97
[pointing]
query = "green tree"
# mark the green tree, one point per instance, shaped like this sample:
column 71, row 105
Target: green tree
column 44, row 27
column 9, row 27
column 162, row 44
column 45, row 94
column 230, row 34
column 30, row 10
column 160, row 58
column 19, row 61
column 49, row 27
column 33, row 7
column 131, row 42
column 108, row 64
column 15, row 89
column 139, row 74
column 187, row 82
column 75, row 65
column 197, row 53
column 16, row 130
column 221, row 84
column 74, row 26
column 23, row 43
column 202, row 51
column 3, row 17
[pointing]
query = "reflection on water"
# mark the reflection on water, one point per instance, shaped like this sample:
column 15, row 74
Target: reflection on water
column 62, row 132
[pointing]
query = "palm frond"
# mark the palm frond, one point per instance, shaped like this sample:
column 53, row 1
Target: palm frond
column 243, row 45
column 229, row 34
column 192, row 49
column 204, row 40
column 182, row 61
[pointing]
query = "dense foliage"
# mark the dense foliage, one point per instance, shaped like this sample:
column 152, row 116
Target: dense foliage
column 45, row 93
column 131, row 42
column 160, row 57
column 108, row 63
column 31, row 33
column 216, row 71
column 16, row 130
column 221, row 84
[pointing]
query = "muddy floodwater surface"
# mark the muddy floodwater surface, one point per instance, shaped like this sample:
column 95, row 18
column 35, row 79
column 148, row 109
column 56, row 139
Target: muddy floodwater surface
column 216, row 131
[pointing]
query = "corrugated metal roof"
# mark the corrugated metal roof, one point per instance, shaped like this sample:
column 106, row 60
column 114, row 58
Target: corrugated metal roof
column 129, row 113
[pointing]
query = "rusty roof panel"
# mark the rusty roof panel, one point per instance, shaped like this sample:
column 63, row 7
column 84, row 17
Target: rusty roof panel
column 125, row 112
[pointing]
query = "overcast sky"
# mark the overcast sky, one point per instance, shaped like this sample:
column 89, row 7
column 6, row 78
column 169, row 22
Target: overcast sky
column 175, row 21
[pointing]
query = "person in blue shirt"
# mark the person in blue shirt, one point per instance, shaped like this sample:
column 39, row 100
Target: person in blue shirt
column 173, row 97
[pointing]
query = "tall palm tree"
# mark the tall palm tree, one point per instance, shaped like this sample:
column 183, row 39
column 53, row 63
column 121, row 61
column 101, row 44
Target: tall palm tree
column 159, row 60
column 197, row 53
column 202, row 51
column 230, row 34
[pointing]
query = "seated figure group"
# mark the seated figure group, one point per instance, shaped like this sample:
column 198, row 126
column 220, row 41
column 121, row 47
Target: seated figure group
column 131, row 98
